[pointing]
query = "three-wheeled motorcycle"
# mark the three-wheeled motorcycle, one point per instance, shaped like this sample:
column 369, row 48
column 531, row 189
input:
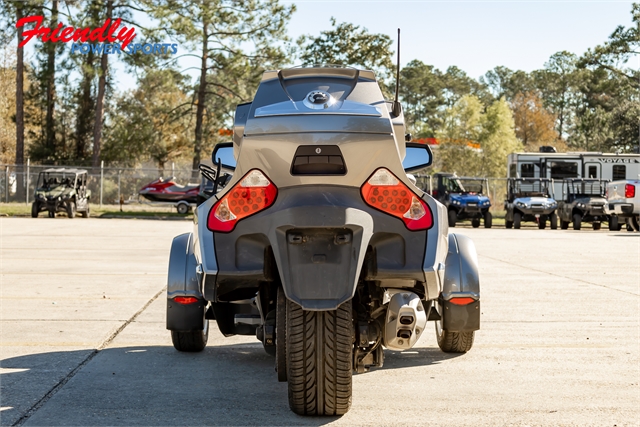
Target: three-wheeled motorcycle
column 319, row 244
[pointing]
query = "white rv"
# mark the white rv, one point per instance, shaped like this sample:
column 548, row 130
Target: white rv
column 558, row 166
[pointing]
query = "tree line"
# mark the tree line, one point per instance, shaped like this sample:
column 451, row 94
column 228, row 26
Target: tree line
column 67, row 108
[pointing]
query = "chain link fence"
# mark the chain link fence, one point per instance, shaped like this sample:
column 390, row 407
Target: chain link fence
column 107, row 185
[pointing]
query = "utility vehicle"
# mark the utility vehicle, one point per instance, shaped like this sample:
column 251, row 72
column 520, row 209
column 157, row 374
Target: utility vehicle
column 465, row 198
column 529, row 199
column 582, row 201
column 61, row 190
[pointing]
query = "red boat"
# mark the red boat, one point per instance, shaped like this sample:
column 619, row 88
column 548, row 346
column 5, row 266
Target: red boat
column 167, row 190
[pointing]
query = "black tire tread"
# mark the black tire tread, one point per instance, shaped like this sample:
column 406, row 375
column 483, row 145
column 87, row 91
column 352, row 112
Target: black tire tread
column 517, row 220
column 71, row 209
column 452, row 217
column 577, row 222
column 319, row 352
column 456, row 342
column 190, row 342
column 488, row 220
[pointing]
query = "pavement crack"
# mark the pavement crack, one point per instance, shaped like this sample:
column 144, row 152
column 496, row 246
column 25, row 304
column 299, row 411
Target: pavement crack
column 84, row 362
column 559, row 275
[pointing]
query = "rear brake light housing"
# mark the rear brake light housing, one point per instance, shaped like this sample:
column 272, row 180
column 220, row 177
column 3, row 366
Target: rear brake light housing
column 186, row 300
column 462, row 300
column 629, row 191
column 385, row 192
column 252, row 194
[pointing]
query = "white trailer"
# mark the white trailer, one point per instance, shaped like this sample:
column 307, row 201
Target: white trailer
column 558, row 166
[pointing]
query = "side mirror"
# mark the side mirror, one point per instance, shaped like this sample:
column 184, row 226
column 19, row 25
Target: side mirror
column 418, row 156
column 223, row 155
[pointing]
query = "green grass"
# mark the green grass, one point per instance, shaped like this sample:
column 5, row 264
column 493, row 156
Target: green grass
column 106, row 211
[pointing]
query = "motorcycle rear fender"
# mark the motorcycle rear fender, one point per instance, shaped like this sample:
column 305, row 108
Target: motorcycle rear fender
column 183, row 281
column 341, row 241
column 461, row 279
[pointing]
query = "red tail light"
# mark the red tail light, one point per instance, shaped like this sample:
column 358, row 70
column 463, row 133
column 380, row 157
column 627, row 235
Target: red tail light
column 252, row 194
column 185, row 300
column 385, row 192
column 629, row 191
column 462, row 301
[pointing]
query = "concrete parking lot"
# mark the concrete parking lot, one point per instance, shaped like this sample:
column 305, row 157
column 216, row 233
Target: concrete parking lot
column 83, row 339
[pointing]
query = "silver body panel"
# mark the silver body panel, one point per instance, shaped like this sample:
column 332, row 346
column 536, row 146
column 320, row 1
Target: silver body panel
column 268, row 132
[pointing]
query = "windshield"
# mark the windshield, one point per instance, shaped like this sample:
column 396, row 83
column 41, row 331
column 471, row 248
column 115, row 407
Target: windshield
column 51, row 180
column 469, row 185
column 529, row 188
column 587, row 188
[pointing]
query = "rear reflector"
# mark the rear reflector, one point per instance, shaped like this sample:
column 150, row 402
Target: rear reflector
column 385, row 192
column 185, row 300
column 252, row 194
column 629, row 191
column 462, row 301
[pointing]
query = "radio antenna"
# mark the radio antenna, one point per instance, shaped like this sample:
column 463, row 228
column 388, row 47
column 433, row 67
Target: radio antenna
column 396, row 104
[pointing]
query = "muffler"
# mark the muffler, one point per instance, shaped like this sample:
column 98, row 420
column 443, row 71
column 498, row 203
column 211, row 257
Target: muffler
column 405, row 319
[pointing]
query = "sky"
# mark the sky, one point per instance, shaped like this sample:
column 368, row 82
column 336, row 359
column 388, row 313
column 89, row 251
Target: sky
column 475, row 36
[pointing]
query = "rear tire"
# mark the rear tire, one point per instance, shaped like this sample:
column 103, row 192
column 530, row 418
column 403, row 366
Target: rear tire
column 51, row 214
column 614, row 225
column 35, row 209
column 475, row 222
column 86, row 213
column 508, row 224
column 564, row 225
column 553, row 221
column 488, row 220
column 542, row 223
column 453, row 217
column 193, row 341
column 453, row 342
column 319, row 360
column 517, row 220
column 577, row 221
column 596, row 225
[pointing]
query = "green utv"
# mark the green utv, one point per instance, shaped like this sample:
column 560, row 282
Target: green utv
column 61, row 190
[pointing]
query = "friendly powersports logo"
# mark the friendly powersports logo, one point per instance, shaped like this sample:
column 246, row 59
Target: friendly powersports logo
column 109, row 38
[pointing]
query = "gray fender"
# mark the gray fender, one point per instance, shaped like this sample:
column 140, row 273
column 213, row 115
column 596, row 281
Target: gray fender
column 436, row 250
column 183, row 281
column 461, row 279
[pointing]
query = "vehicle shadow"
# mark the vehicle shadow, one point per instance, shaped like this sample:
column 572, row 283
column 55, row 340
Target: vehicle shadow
column 416, row 357
column 156, row 385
